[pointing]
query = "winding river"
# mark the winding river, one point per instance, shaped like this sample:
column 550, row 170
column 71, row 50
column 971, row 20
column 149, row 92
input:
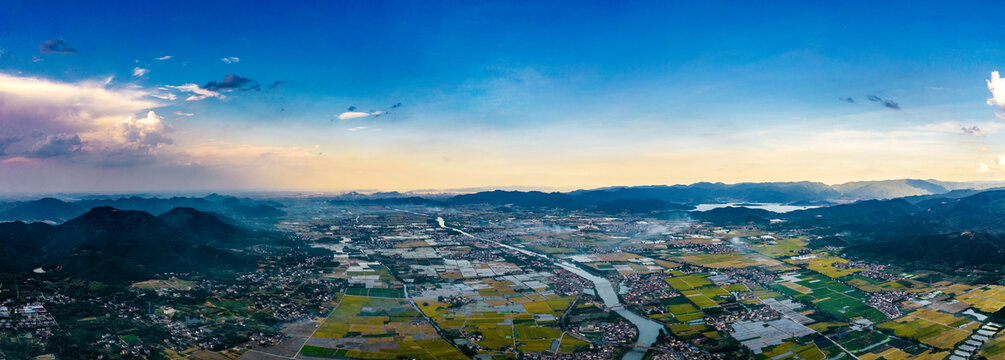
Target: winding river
column 648, row 329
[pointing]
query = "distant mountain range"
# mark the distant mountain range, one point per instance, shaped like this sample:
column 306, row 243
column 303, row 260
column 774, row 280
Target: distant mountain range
column 232, row 209
column 125, row 245
column 643, row 199
column 630, row 199
column 784, row 192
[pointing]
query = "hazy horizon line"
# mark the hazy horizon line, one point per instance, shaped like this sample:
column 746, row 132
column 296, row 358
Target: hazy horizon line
column 425, row 191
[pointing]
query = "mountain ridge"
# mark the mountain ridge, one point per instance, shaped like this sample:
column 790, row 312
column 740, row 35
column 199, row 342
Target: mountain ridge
column 126, row 245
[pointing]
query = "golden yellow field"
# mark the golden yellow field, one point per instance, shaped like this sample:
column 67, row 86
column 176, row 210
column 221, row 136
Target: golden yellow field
column 932, row 327
column 897, row 354
column 989, row 299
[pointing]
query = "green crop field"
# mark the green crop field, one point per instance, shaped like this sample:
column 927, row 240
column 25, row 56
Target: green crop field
column 831, row 296
column 391, row 325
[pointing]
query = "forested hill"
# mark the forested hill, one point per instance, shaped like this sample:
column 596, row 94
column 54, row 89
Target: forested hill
column 112, row 244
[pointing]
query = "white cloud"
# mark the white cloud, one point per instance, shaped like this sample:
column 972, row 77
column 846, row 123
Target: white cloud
column 358, row 128
column 55, row 119
column 231, row 60
column 198, row 93
column 356, row 114
column 179, row 113
column 41, row 103
column 162, row 58
column 997, row 87
column 138, row 71
column 972, row 129
column 997, row 167
column 147, row 132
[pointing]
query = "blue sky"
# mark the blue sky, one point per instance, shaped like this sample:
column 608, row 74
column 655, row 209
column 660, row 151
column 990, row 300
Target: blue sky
column 562, row 94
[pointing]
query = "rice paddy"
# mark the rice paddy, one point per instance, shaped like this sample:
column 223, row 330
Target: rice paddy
column 989, row 298
column 378, row 328
column 827, row 294
column 932, row 327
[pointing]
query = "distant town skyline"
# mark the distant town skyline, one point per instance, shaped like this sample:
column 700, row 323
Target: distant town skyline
column 338, row 96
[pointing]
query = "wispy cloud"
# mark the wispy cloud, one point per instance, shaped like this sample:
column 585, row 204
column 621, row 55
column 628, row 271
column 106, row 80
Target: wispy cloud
column 886, row 102
column 356, row 115
column 198, row 93
column 351, row 112
column 357, row 128
column 162, row 58
column 228, row 152
column 138, row 71
column 231, row 60
column 164, row 96
column 975, row 130
column 216, row 89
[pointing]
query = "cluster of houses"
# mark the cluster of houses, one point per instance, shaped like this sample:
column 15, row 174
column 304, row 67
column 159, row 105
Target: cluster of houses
column 29, row 316
column 620, row 332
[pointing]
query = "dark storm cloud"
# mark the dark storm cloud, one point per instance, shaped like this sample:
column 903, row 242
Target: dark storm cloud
column 973, row 131
column 71, row 148
column 59, row 145
column 232, row 82
column 274, row 84
column 6, row 141
column 886, row 102
column 57, row 46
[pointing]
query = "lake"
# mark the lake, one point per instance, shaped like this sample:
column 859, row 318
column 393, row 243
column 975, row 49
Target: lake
column 778, row 208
